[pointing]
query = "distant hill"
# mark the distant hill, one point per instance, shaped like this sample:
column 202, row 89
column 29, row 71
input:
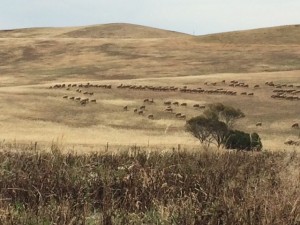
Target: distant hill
column 274, row 35
column 125, row 51
column 114, row 30
column 121, row 30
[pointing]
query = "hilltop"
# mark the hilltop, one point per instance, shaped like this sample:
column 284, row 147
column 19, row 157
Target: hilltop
column 113, row 30
column 274, row 35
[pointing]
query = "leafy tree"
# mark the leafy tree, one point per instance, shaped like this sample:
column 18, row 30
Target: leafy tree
column 200, row 128
column 255, row 142
column 214, row 127
column 223, row 113
column 243, row 141
column 207, row 130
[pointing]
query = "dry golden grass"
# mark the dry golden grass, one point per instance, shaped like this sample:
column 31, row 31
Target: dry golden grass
column 33, row 59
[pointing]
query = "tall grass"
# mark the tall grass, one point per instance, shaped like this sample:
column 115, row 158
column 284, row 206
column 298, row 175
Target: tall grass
column 140, row 187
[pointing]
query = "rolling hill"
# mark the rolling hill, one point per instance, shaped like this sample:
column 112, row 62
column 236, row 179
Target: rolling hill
column 274, row 35
column 114, row 30
column 124, row 51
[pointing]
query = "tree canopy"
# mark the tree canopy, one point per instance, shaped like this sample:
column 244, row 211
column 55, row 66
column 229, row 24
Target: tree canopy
column 215, row 127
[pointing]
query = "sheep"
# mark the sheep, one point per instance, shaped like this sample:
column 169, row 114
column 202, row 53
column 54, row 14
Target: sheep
column 150, row 117
column 140, row 112
column 295, row 125
column 167, row 103
column 168, row 110
column 66, row 96
column 244, row 93
column 177, row 115
column 77, row 98
column 184, row 104
column 93, row 100
column 143, row 107
column 176, row 103
column 202, row 107
column 251, row 94
column 125, row 108
column 256, row 86
column 146, row 100
column 135, row 110
column 196, row 106
column 259, row 124
column 72, row 98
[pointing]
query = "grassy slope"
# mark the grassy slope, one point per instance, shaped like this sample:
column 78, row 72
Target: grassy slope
column 276, row 35
column 48, row 55
column 122, row 51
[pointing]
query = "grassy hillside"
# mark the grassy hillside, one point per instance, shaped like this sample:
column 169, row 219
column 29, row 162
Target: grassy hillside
column 119, row 30
column 282, row 35
column 114, row 30
column 123, row 51
column 33, row 59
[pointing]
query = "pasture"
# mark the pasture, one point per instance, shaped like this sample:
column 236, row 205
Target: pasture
column 179, row 74
column 149, row 111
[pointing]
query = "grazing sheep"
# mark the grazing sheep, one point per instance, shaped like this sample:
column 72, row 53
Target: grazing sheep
column 183, row 104
column 77, row 98
column 125, row 108
column 167, row 103
column 295, row 125
column 66, row 96
column 135, row 110
column 178, row 115
column 143, row 107
column 93, row 100
column 140, row 112
column 256, row 86
column 202, row 107
column 146, row 100
column 259, row 124
column 72, row 98
column 168, row 110
column 150, row 117
column 91, row 93
column 176, row 103
column 196, row 106
column 244, row 93
column 251, row 94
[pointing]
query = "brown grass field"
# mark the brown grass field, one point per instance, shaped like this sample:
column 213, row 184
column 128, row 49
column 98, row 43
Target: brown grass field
column 70, row 161
column 31, row 60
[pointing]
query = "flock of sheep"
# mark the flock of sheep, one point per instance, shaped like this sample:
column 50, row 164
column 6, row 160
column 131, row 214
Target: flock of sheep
column 286, row 94
column 168, row 108
column 280, row 93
